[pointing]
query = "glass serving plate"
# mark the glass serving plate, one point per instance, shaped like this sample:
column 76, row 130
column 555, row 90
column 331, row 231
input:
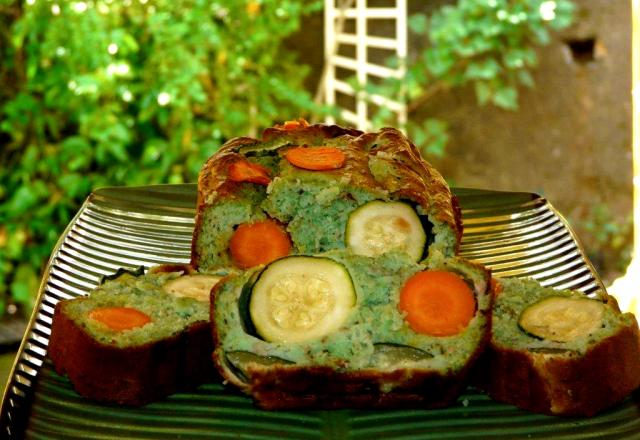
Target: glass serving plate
column 515, row 234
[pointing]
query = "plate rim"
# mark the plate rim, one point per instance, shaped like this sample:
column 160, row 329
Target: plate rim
column 104, row 193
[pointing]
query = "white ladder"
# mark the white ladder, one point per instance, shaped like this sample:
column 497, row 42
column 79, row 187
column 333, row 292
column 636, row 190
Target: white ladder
column 335, row 16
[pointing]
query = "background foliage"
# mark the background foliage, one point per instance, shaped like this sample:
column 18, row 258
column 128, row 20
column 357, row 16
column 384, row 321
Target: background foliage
column 489, row 45
column 127, row 92
column 135, row 92
column 610, row 241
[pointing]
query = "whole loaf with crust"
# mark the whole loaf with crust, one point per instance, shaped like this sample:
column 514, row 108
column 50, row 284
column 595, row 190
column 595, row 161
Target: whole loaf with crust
column 384, row 165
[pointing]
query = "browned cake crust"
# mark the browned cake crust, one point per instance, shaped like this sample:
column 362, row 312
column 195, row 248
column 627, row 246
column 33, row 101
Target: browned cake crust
column 296, row 387
column 409, row 176
column 133, row 375
column 564, row 384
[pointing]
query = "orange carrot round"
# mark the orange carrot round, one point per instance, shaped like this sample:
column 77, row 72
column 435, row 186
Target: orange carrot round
column 292, row 125
column 495, row 287
column 316, row 158
column 120, row 318
column 259, row 243
column 437, row 303
column 245, row 171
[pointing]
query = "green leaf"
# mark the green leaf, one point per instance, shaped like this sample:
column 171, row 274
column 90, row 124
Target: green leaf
column 514, row 59
column 24, row 287
column 439, row 61
column 485, row 69
column 506, row 98
column 79, row 163
column 75, row 145
column 22, row 200
column 526, row 79
column 541, row 36
column 483, row 92
column 418, row 23
column 564, row 14
column 529, row 56
column 119, row 151
column 76, row 186
column 16, row 239
column 431, row 137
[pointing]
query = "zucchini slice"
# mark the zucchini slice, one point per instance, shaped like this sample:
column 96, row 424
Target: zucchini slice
column 124, row 273
column 390, row 356
column 562, row 319
column 239, row 361
column 196, row 286
column 301, row 298
column 378, row 227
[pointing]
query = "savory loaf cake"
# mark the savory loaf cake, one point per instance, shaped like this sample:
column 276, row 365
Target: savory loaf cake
column 308, row 189
column 559, row 352
column 136, row 338
column 340, row 330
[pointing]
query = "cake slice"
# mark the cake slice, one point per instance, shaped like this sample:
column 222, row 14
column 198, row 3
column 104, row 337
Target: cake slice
column 136, row 338
column 307, row 189
column 339, row 330
column 559, row 352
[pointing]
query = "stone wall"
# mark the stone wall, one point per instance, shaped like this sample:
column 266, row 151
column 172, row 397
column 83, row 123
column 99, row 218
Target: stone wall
column 571, row 138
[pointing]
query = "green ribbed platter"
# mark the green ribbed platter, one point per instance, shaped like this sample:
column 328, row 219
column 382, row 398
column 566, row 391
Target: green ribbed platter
column 516, row 234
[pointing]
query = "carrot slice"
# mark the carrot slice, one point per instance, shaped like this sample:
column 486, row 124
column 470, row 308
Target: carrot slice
column 292, row 125
column 496, row 287
column 259, row 243
column 120, row 318
column 316, row 158
column 245, row 171
column 437, row 303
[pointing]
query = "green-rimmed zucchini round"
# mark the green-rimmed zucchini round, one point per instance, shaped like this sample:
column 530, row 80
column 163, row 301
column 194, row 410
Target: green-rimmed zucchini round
column 301, row 298
column 378, row 227
column 562, row 319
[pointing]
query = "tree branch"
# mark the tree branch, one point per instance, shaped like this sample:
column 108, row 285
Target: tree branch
column 428, row 93
column 436, row 87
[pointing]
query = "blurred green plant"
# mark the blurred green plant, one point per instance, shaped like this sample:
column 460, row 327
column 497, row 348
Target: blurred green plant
column 489, row 45
column 608, row 240
column 131, row 92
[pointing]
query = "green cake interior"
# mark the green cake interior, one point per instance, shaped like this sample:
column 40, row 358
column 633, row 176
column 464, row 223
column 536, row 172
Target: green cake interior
column 169, row 314
column 519, row 294
column 313, row 206
column 375, row 333
column 219, row 222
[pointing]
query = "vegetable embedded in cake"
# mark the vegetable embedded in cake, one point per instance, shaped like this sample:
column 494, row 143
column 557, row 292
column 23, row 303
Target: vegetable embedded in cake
column 437, row 303
column 561, row 319
column 136, row 338
column 300, row 298
column 378, row 227
column 333, row 330
column 326, row 188
column 559, row 352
